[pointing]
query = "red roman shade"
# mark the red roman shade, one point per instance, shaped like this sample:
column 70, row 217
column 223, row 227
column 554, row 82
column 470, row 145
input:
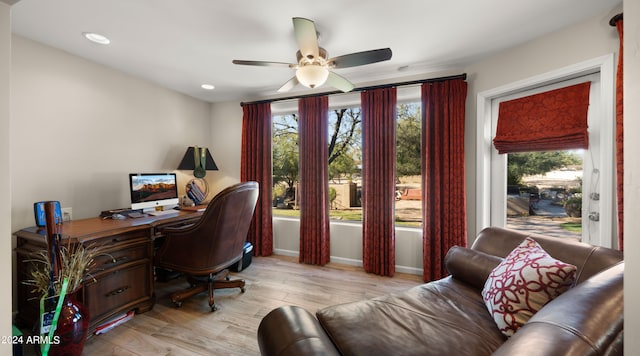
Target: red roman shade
column 553, row 120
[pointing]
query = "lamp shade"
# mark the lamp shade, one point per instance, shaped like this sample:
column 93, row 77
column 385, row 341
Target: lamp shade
column 188, row 161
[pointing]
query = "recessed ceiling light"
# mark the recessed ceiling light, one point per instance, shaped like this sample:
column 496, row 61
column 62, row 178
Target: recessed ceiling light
column 96, row 38
column 207, row 86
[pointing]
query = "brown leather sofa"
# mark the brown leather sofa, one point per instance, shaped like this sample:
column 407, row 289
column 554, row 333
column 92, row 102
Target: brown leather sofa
column 449, row 317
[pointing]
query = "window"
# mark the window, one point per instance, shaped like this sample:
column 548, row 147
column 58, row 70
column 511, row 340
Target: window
column 285, row 164
column 408, row 165
column 544, row 192
column 345, row 164
column 345, row 142
column 597, row 206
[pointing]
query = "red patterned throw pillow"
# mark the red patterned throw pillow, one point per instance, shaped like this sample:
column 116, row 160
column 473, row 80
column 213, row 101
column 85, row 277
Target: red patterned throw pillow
column 523, row 283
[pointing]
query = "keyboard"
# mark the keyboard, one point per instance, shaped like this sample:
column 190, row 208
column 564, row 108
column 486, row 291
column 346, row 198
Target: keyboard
column 163, row 212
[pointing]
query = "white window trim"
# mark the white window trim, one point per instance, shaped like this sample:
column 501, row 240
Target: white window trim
column 604, row 65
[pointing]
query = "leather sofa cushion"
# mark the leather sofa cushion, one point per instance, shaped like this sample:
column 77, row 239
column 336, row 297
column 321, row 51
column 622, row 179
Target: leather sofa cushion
column 444, row 317
column 470, row 266
column 526, row 280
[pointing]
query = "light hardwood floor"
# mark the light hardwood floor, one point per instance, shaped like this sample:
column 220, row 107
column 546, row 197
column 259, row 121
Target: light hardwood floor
column 270, row 282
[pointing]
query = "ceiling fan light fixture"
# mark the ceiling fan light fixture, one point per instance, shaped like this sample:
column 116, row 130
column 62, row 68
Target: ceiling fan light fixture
column 312, row 76
column 313, row 65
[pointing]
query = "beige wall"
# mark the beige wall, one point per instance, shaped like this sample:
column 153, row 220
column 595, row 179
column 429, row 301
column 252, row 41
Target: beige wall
column 5, row 179
column 226, row 142
column 78, row 129
column 631, row 174
column 346, row 244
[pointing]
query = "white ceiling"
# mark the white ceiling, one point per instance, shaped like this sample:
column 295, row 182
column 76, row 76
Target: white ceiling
column 182, row 44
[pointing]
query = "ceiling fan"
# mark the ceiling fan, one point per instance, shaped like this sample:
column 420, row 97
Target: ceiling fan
column 313, row 67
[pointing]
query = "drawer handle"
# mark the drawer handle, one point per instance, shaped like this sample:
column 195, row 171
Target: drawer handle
column 117, row 291
column 118, row 260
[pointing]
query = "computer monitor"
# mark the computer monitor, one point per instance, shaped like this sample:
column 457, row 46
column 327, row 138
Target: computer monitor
column 151, row 190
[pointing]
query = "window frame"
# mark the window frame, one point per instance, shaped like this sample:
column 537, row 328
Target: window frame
column 606, row 67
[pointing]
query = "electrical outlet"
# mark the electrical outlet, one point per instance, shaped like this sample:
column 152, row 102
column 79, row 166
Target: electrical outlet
column 67, row 214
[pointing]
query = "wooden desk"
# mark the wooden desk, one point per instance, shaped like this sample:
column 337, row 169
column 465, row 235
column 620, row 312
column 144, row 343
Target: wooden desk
column 123, row 276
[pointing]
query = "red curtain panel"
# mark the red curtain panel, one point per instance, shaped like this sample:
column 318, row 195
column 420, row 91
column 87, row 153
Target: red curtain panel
column 314, row 180
column 443, row 173
column 255, row 165
column 620, row 137
column 378, row 172
column 553, row 120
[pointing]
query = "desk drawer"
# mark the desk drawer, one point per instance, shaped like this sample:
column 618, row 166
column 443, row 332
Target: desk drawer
column 108, row 258
column 118, row 290
column 111, row 241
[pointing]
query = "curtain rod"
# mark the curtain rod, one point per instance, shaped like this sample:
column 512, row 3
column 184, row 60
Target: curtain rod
column 462, row 76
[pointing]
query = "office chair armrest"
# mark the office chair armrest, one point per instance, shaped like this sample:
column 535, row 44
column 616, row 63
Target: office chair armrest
column 175, row 230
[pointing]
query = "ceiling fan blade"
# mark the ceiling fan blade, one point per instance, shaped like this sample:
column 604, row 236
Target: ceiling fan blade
column 361, row 58
column 306, row 37
column 339, row 82
column 264, row 63
column 289, row 85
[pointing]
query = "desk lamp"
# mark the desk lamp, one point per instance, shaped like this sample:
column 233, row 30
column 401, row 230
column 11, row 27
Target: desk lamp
column 200, row 161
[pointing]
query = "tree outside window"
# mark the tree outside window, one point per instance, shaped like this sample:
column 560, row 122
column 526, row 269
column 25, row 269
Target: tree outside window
column 545, row 187
column 345, row 163
column 408, row 165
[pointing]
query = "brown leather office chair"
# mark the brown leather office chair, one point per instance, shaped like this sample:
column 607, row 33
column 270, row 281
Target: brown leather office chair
column 204, row 251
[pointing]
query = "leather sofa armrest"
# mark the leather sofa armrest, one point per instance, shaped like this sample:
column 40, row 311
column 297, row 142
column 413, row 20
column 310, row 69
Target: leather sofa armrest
column 292, row 330
column 470, row 266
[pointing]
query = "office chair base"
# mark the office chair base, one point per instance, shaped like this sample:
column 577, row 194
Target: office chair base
column 209, row 283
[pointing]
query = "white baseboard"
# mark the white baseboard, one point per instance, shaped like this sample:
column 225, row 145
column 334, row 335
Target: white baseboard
column 349, row 261
column 278, row 251
column 409, row 270
column 346, row 261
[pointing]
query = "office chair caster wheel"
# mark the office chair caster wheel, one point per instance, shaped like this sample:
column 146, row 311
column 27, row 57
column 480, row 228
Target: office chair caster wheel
column 214, row 308
column 177, row 304
column 241, row 289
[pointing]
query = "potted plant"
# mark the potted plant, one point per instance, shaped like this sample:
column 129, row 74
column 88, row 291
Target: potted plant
column 57, row 278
